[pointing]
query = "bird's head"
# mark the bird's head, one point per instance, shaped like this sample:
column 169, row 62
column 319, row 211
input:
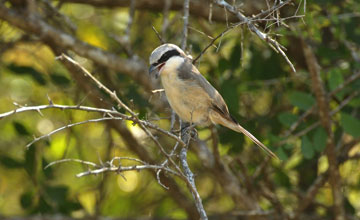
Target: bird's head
column 161, row 55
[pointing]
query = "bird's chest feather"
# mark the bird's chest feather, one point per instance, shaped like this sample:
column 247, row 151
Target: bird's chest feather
column 186, row 98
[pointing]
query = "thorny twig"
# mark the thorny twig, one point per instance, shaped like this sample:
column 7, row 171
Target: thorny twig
column 268, row 12
column 115, row 98
column 69, row 126
column 213, row 41
column 263, row 36
column 110, row 167
column 107, row 112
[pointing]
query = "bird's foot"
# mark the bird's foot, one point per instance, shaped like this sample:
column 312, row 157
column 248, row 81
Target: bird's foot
column 189, row 130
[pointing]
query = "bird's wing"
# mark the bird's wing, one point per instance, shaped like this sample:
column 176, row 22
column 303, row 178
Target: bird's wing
column 188, row 72
column 219, row 112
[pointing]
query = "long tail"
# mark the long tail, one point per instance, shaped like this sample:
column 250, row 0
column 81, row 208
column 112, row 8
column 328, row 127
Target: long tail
column 235, row 126
column 238, row 128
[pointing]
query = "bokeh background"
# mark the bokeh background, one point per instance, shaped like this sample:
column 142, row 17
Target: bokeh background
column 234, row 178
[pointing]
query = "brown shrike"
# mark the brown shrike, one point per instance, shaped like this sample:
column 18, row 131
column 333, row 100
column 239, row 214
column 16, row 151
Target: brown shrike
column 190, row 95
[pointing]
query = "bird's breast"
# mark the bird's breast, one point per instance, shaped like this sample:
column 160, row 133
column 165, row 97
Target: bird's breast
column 187, row 99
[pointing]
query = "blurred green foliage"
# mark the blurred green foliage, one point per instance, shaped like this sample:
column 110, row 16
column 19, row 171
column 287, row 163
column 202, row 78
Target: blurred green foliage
column 256, row 82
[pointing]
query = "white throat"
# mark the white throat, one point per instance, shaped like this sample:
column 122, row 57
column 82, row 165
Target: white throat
column 171, row 65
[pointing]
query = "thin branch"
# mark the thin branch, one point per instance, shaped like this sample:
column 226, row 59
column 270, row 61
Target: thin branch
column 126, row 168
column 316, row 124
column 321, row 179
column 158, row 35
column 198, row 8
column 325, row 119
column 70, row 160
column 109, row 167
column 186, row 24
column 164, row 163
column 69, row 126
column 213, row 41
column 165, row 23
column 114, row 97
column 272, row 9
column 308, row 112
column 34, row 25
column 89, row 109
column 190, row 176
column 130, row 21
column 265, row 37
column 61, row 107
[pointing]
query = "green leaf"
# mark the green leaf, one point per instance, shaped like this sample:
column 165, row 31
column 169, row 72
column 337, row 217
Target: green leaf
column 287, row 118
column 229, row 93
column 336, row 79
column 26, row 70
column 235, row 57
column 30, row 161
column 301, row 100
column 281, row 154
column 350, row 124
column 355, row 102
column 59, row 79
column 10, row 163
column 319, row 139
column 306, row 148
column 222, row 65
column 26, row 199
column 281, row 178
column 21, row 129
column 57, row 194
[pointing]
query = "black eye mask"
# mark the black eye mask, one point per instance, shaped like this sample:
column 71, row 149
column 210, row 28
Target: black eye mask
column 167, row 56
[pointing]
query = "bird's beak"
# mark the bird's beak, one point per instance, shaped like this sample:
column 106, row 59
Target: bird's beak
column 153, row 69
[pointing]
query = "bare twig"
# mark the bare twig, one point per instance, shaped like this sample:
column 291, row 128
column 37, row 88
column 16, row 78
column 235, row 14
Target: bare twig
column 316, row 124
column 308, row 112
column 265, row 37
column 164, row 163
column 165, row 23
column 269, row 11
column 213, row 41
column 89, row 109
column 70, row 160
column 190, row 176
column 69, row 126
column 114, row 97
column 186, row 24
column 110, row 167
column 61, row 107
column 122, row 169
column 321, row 179
column 131, row 20
column 134, row 68
column 158, row 35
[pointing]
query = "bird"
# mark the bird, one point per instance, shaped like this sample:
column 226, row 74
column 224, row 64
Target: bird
column 189, row 93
